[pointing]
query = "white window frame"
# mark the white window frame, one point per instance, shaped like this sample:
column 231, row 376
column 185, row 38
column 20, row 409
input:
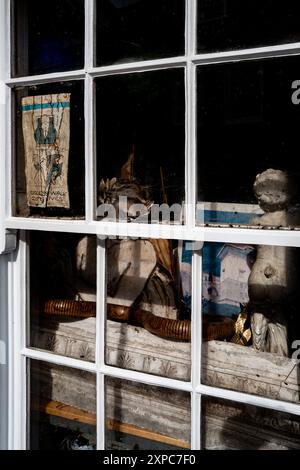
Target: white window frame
column 17, row 264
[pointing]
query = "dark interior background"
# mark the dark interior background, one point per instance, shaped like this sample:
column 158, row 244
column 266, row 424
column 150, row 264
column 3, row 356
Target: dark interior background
column 129, row 30
column 247, row 123
column 49, row 37
column 146, row 110
column 235, row 24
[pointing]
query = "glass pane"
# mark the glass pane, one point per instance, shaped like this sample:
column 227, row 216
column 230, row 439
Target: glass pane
column 63, row 294
column 47, row 40
column 149, row 307
column 142, row 417
column 251, row 326
column 62, row 408
column 235, row 426
column 248, row 120
column 228, row 25
column 49, row 149
column 141, row 145
column 131, row 30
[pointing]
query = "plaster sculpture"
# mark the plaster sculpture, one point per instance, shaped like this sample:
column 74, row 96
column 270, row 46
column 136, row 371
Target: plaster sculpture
column 272, row 281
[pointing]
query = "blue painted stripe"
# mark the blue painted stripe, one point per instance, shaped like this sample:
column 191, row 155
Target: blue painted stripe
column 32, row 107
column 213, row 216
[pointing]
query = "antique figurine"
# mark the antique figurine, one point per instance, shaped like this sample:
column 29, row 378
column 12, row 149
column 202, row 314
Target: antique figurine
column 272, row 281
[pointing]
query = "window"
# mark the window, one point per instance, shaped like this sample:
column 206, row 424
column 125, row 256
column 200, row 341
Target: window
column 137, row 284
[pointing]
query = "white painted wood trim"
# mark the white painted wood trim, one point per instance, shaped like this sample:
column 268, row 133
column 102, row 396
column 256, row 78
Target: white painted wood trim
column 254, row 400
column 44, row 356
column 101, row 304
column 267, row 52
column 196, row 416
column 174, row 232
column 17, row 363
column 146, row 379
column 101, row 411
column 190, row 117
column 18, row 352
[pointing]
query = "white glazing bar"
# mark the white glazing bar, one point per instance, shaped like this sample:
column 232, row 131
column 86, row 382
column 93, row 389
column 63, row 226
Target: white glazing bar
column 254, row 400
column 8, row 36
column 90, row 173
column 196, row 343
column 46, row 78
column 196, row 316
column 89, row 34
column 190, row 85
column 142, row 66
column 101, row 304
column 146, row 379
column 27, row 288
column 40, row 355
column 51, row 225
column 17, row 363
column 174, row 232
column 101, row 414
column 252, row 236
column 255, row 53
column 282, row 50
column 196, row 422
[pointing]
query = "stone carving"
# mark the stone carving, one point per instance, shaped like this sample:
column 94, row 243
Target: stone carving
column 272, row 281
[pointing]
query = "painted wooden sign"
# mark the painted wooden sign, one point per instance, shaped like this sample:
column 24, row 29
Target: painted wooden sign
column 46, row 131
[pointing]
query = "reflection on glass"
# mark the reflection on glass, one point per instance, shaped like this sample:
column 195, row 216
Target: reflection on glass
column 140, row 417
column 130, row 30
column 49, row 151
column 251, row 327
column 248, row 119
column 62, row 408
column 141, row 145
column 236, row 426
column 47, row 41
column 228, row 25
column 63, row 294
column 148, row 306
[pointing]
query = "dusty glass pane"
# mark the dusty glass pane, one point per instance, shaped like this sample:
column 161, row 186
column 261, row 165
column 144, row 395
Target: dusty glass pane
column 62, row 408
column 49, row 151
column 47, row 40
column 141, row 143
column 63, row 294
column 235, row 426
column 142, row 417
column 228, row 25
column 251, row 327
column 248, row 120
column 131, row 30
column 149, row 307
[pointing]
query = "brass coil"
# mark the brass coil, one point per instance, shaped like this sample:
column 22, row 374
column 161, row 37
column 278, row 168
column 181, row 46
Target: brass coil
column 214, row 328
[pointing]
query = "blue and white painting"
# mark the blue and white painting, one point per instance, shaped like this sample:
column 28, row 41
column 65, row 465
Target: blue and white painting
column 226, row 268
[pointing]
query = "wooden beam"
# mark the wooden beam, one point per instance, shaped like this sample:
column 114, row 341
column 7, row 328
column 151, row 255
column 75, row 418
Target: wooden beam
column 55, row 408
column 145, row 434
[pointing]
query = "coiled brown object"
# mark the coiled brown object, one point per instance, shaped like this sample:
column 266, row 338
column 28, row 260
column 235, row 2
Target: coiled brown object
column 214, row 327
column 70, row 308
column 164, row 327
column 217, row 327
